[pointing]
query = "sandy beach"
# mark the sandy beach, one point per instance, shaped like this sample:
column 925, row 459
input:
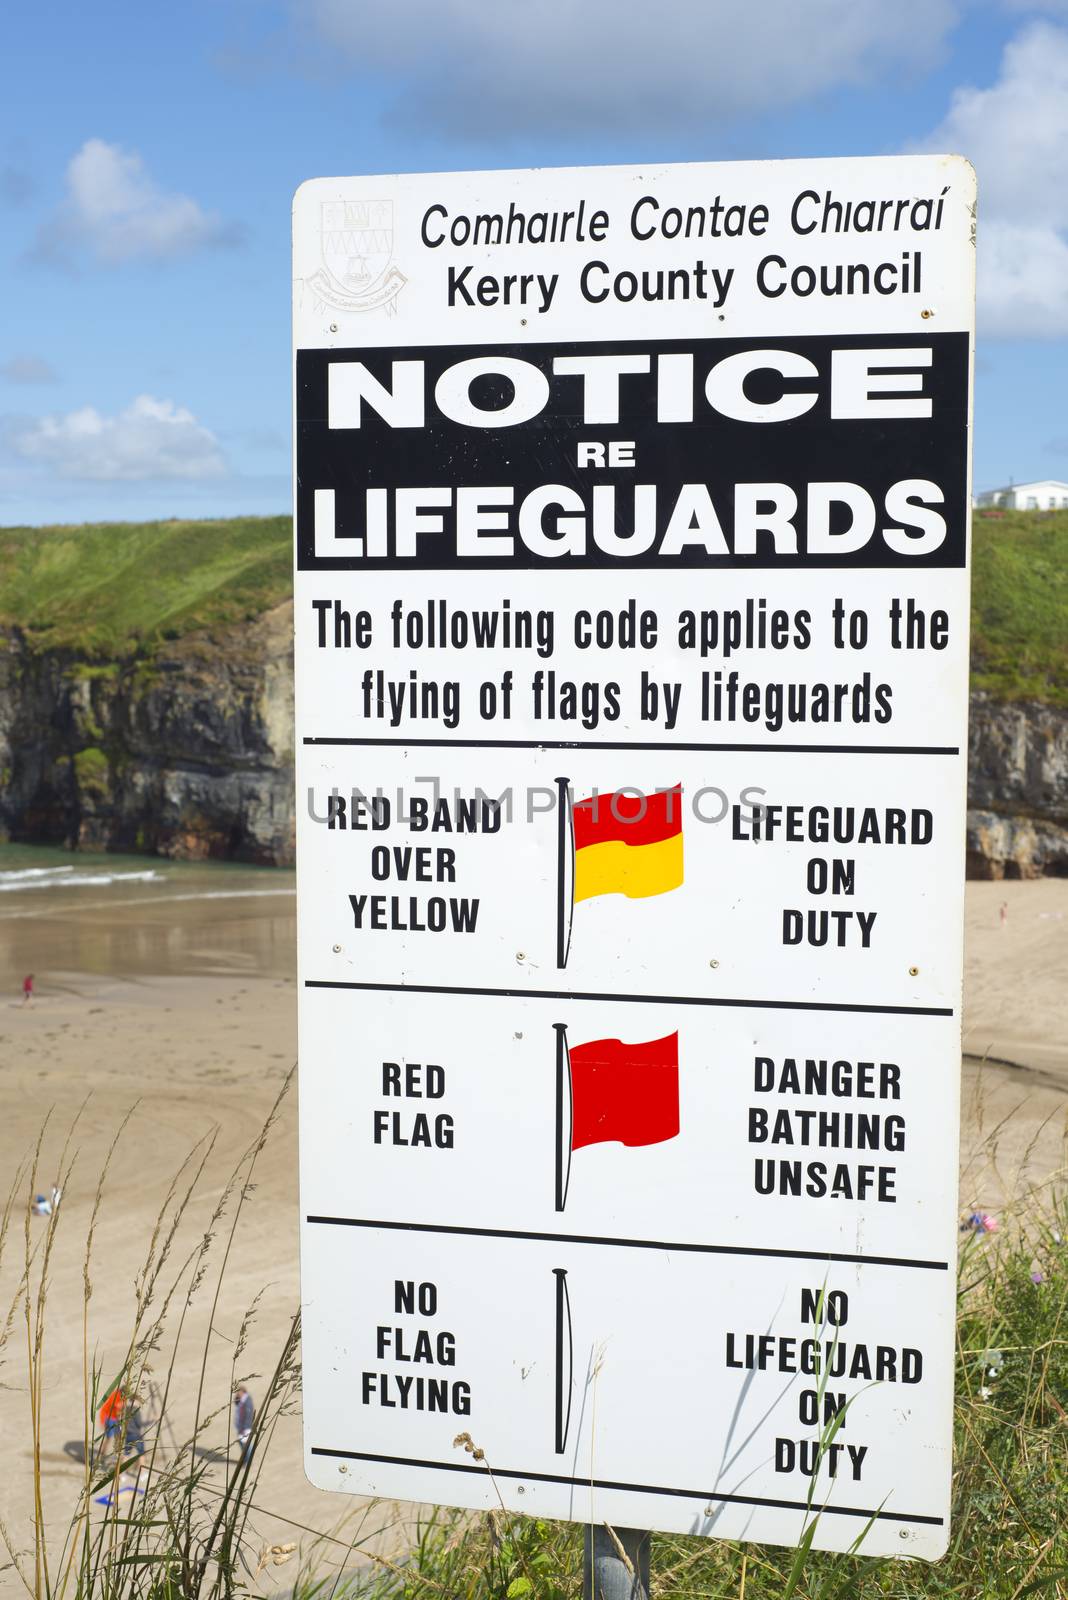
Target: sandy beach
column 170, row 990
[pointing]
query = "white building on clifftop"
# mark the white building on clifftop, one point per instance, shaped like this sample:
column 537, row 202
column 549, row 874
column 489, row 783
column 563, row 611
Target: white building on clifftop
column 1049, row 494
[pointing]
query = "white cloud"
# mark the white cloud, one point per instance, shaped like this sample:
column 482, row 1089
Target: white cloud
column 150, row 439
column 1016, row 132
column 492, row 67
column 1023, row 280
column 1016, row 135
column 115, row 212
column 28, row 369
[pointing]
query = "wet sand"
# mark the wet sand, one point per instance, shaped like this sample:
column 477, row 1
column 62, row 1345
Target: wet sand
column 174, row 994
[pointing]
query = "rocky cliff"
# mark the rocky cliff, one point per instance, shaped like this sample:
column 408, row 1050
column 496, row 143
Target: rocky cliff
column 1017, row 789
column 187, row 752
column 183, row 752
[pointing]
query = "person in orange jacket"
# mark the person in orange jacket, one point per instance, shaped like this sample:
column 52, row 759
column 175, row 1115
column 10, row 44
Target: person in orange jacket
column 111, row 1421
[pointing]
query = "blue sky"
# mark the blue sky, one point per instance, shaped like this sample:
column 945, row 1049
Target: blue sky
column 148, row 156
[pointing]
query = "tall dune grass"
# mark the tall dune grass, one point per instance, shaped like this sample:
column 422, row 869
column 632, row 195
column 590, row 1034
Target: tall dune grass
column 150, row 1520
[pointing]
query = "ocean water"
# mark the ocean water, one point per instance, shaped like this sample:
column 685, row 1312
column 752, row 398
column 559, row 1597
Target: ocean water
column 65, row 913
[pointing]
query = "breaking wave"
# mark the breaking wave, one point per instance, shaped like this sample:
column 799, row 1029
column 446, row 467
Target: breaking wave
column 70, row 878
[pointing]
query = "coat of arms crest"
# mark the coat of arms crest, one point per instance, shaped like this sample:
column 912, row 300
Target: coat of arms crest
column 357, row 251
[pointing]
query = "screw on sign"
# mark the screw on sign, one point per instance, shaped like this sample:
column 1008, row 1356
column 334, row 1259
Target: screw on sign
column 631, row 533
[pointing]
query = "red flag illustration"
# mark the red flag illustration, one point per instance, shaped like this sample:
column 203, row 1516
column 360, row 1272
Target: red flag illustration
column 609, row 1090
column 625, row 1092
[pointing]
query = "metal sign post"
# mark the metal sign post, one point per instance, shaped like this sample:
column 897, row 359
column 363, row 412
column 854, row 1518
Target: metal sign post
column 631, row 599
column 615, row 1564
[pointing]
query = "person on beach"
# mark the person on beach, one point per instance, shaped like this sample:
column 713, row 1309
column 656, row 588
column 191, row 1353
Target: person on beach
column 44, row 1205
column 244, row 1416
column 110, row 1419
column 27, row 988
column 111, row 1414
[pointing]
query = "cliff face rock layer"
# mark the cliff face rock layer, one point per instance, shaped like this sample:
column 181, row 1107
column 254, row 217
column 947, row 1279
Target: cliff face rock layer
column 1017, row 790
column 188, row 754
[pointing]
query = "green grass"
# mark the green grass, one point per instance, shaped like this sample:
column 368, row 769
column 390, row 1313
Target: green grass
column 107, row 589
column 1019, row 605
column 115, row 589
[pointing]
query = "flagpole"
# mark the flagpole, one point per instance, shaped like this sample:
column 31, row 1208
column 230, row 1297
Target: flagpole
column 615, row 1562
column 563, row 1321
column 563, row 852
column 563, row 1103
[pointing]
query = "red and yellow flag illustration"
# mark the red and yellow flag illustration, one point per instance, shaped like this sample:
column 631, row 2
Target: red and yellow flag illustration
column 628, row 844
column 624, row 1092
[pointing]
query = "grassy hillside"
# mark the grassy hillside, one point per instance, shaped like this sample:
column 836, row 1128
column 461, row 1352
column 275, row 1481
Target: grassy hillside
column 106, row 588
column 1020, row 606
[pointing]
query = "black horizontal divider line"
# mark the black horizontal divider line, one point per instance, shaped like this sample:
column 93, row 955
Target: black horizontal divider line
column 638, row 999
column 634, row 1488
column 644, row 744
column 632, row 1244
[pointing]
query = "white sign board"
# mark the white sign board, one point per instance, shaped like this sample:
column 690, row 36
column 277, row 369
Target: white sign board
column 632, row 637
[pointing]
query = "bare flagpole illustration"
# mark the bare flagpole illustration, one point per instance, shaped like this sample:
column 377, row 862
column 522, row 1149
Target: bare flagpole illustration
column 563, row 1336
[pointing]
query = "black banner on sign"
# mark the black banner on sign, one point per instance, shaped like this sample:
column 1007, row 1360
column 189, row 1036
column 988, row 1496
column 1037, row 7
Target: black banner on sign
column 845, row 451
